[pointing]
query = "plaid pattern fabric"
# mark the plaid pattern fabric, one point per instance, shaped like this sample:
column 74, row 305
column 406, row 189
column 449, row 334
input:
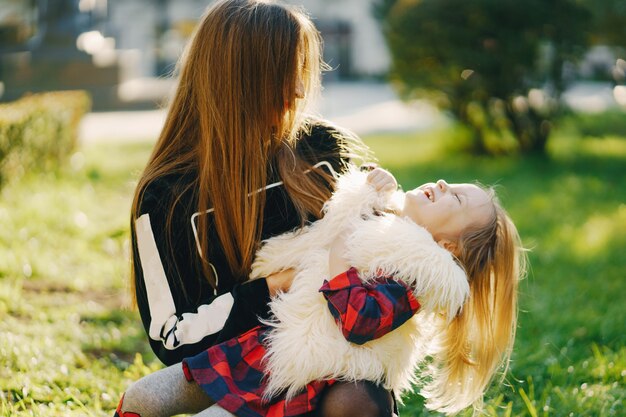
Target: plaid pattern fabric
column 231, row 373
column 368, row 311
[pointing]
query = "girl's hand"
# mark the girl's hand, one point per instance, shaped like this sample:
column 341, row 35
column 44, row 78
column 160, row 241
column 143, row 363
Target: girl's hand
column 382, row 180
column 280, row 281
column 336, row 261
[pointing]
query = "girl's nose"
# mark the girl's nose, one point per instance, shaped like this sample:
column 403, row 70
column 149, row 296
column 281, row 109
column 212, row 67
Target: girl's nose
column 443, row 185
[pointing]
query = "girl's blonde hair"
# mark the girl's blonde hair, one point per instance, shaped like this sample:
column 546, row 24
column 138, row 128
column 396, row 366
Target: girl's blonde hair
column 480, row 338
column 235, row 114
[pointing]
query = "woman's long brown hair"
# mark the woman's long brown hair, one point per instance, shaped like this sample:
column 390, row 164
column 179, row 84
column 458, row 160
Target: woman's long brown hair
column 234, row 115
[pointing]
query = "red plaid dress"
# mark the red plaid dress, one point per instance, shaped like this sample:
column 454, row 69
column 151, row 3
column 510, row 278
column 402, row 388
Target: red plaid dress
column 231, row 372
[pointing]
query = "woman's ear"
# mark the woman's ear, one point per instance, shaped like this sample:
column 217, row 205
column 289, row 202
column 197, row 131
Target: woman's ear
column 449, row 245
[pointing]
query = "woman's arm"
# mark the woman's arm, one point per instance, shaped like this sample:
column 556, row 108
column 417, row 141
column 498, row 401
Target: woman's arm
column 181, row 320
column 180, row 311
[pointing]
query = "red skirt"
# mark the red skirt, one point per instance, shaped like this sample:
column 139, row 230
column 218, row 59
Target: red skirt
column 232, row 374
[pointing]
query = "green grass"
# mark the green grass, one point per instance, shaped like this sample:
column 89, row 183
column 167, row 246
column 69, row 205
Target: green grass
column 70, row 344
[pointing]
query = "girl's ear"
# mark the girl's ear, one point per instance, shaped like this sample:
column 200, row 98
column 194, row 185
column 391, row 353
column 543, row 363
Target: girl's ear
column 449, row 245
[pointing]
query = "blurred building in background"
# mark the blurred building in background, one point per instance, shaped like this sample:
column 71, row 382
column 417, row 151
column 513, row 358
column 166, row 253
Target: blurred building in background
column 56, row 45
column 353, row 40
column 121, row 50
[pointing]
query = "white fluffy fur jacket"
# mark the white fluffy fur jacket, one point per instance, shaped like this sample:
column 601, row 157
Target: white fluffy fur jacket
column 305, row 343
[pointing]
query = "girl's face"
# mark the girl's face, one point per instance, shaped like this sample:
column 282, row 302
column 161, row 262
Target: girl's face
column 446, row 210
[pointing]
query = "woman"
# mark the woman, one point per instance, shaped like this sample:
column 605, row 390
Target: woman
column 236, row 163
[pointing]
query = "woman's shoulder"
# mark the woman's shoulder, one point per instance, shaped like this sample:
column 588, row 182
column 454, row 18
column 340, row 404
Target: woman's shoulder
column 165, row 190
column 322, row 139
column 324, row 134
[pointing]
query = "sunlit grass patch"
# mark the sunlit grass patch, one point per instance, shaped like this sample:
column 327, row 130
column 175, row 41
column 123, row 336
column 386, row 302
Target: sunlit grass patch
column 67, row 335
column 599, row 232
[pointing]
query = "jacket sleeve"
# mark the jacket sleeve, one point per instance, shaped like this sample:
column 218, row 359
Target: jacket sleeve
column 166, row 281
column 367, row 311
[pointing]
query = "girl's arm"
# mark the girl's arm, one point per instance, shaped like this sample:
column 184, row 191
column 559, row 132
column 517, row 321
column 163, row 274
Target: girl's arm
column 367, row 311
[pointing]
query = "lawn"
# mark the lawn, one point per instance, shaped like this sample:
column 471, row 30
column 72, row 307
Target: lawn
column 70, row 343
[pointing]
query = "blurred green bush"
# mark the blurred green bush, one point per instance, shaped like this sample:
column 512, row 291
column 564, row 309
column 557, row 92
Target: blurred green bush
column 599, row 125
column 38, row 132
column 494, row 65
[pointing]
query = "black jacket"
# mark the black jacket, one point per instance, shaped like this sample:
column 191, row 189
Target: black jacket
column 183, row 322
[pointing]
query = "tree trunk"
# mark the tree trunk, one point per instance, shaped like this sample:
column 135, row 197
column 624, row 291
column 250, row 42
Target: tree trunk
column 531, row 130
column 477, row 143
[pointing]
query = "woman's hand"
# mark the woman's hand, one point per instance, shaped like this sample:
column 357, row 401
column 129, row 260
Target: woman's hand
column 337, row 263
column 280, row 281
column 382, row 180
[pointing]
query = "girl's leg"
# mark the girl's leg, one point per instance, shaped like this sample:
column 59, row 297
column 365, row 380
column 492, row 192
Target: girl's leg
column 164, row 393
column 356, row 399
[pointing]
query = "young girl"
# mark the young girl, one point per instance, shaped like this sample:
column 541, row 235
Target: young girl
column 281, row 368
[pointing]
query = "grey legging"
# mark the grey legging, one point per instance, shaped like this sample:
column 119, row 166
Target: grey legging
column 167, row 393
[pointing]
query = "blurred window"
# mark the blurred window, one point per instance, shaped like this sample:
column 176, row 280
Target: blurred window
column 18, row 23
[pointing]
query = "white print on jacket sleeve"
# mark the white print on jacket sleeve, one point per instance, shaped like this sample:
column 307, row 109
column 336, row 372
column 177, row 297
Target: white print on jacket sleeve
column 165, row 325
